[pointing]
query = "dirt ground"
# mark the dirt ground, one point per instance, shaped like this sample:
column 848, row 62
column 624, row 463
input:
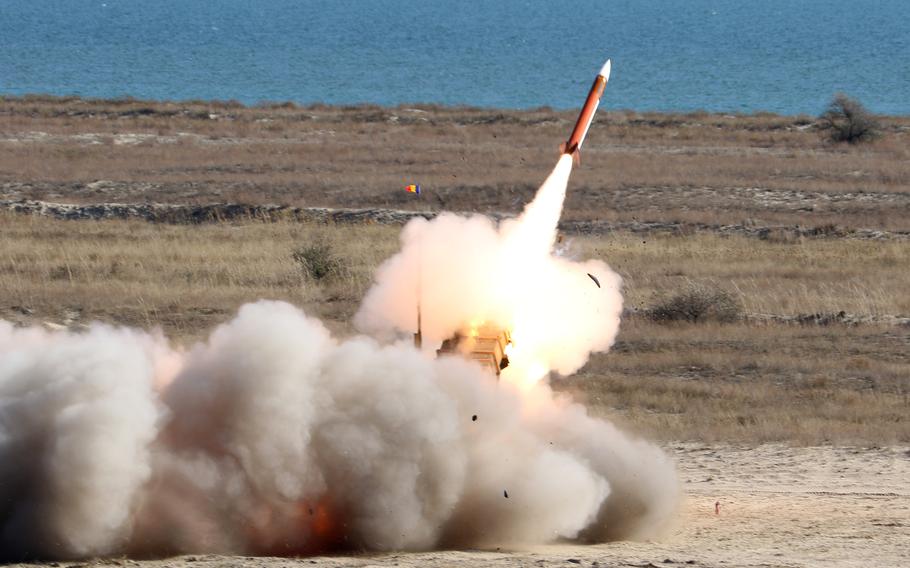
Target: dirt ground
column 779, row 506
column 716, row 169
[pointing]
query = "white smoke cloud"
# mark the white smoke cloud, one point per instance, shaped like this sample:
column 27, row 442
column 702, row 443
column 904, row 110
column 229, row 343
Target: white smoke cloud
column 77, row 416
column 273, row 437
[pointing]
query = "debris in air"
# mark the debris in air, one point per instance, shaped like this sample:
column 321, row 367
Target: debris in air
column 505, row 494
column 474, row 418
column 594, row 278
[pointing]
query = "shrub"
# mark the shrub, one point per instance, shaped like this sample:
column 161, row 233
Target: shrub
column 698, row 303
column 847, row 120
column 318, row 262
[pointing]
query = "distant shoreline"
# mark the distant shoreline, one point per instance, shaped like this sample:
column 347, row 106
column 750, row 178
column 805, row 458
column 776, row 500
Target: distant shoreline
column 289, row 105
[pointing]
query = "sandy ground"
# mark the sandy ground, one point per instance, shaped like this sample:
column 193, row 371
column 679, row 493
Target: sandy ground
column 779, row 506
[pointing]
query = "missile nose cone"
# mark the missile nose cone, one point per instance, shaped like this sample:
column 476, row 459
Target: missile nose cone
column 605, row 70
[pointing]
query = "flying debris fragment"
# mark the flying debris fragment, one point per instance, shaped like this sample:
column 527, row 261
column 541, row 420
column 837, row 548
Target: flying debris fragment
column 573, row 144
column 594, row 278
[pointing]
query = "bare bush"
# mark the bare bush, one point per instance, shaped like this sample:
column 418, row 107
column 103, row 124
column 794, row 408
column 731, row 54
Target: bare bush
column 698, row 303
column 319, row 262
column 847, row 120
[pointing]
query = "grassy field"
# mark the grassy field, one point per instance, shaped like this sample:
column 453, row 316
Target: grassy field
column 755, row 379
column 702, row 168
column 742, row 381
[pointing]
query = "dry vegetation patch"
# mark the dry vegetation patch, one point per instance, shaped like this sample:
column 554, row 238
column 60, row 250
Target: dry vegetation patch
column 704, row 381
column 708, row 168
column 182, row 278
column 747, row 383
column 804, row 276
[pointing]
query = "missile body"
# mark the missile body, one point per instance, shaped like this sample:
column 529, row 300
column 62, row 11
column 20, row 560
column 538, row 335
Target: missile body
column 573, row 144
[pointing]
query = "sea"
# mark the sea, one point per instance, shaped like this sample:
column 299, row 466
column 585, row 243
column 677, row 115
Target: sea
column 735, row 56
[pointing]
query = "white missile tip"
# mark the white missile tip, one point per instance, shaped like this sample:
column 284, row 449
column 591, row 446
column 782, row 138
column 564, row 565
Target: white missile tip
column 605, row 70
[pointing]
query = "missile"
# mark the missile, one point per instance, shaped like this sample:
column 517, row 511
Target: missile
column 573, row 144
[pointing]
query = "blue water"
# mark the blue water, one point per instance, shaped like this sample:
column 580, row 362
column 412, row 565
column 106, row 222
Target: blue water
column 787, row 56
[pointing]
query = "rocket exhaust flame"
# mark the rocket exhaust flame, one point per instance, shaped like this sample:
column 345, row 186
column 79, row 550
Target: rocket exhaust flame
column 506, row 276
column 273, row 437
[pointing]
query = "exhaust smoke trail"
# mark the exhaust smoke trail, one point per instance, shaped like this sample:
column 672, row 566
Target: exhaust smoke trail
column 469, row 271
column 273, row 437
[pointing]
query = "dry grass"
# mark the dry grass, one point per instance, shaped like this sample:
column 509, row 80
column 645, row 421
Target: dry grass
column 696, row 167
column 740, row 381
column 182, row 278
column 806, row 276
column 753, row 384
column 744, row 382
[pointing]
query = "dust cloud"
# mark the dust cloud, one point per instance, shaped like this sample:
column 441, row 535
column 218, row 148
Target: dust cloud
column 273, row 437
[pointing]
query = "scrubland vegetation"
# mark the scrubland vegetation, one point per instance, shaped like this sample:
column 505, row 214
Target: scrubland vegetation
column 744, row 378
column 725, row 337
column 758, row 169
